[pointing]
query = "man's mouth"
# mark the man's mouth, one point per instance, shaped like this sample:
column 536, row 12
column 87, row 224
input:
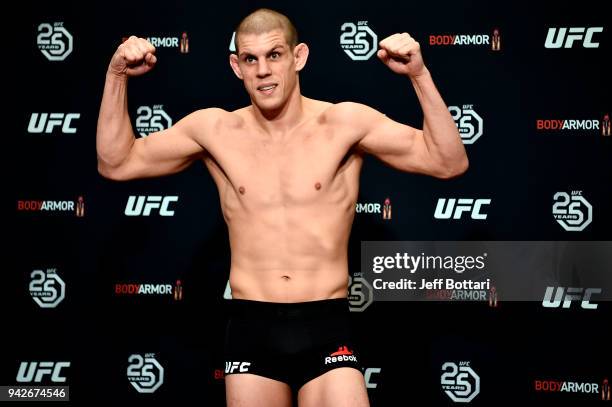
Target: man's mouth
column 267, row 88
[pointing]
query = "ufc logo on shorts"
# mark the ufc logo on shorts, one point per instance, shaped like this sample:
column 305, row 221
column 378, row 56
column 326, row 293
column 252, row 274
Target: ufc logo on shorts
column 456, row 207
column 45, row 122
column 243, row 367
column 568, row 295
column 143, row 205
column 564, row 37
column 36, row 371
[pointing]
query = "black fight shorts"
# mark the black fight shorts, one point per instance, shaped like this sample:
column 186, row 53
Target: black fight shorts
column 289, row 342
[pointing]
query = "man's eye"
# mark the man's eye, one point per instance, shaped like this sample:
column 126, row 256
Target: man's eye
column 274, row 55
column 250, row 59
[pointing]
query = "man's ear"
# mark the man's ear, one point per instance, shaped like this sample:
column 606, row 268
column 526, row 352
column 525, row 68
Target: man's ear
column 233, row 60
column 300, row 55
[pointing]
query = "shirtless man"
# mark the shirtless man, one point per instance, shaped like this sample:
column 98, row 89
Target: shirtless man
column 287, row 170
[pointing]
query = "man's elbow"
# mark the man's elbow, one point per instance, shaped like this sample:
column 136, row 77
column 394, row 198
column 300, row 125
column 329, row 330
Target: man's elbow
column 109, row 172
column 455, row 170
column 104, row 171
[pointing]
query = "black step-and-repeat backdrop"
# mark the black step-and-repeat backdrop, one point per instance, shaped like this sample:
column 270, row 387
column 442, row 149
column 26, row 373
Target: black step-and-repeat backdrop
column 119, row 289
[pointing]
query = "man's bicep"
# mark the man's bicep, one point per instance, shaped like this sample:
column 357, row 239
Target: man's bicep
column 165, row 152
column 398, row 145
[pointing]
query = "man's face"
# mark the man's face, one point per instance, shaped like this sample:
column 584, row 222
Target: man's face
column 267, row 66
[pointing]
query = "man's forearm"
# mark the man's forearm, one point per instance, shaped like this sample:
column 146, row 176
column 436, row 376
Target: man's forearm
column 114, row 137
column 440, row 131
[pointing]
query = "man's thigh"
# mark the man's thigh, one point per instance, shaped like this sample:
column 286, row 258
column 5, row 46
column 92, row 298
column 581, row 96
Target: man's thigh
column 341, row 387
column 249, row 390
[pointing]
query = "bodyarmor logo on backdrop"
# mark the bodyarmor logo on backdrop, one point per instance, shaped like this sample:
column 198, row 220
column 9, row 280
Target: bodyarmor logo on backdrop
column 145, row 373
column 46, row 122
column 358, row 41
column 595, row 125
column 152, row 119
column 80, row 207
column 385, row 209
column 493, row 297
column 605, row 125
column 492, row 41
column 565, row 386
column 459, row 381
column 468, row 122
column 572, row 211
column 54, row 41
column 565, row 37
column 447, row 208
column 47, row 288
column 565, row 296
column 175, row 291
column 181, row 42
column 360, row 293
column 143, row 205
column 164, row 42
column 496, row 40
column 77, row 207
column 178, row 291
column 184, row 44
column 35, row 372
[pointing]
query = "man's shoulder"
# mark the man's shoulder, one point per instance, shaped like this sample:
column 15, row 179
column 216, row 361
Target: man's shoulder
column 348, row 112
column 214, row 117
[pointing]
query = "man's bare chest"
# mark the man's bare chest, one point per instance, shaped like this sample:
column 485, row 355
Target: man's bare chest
column 297, row 168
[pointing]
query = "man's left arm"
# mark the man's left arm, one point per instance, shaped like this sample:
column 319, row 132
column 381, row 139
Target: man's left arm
column 437, row 150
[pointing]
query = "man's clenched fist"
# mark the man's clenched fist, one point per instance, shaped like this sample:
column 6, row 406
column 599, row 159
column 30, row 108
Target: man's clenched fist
column 134, row 57
column 402, row 54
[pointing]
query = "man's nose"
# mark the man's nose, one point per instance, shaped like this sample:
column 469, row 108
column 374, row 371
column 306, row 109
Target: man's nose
column 263, row 68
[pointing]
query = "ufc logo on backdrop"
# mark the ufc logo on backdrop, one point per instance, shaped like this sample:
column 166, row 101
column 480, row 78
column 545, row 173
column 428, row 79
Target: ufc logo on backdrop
column 456, row 207
column 469, row 123
column 567, row 295
column 564, row 37
column 152, row 119
column 54, row 41
column 358, row 41
column 573, row 212
column 46, row 122
column 36, row 371
column 143, row 205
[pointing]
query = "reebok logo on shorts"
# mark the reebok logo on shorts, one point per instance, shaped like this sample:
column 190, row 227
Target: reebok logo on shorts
column 343, row 354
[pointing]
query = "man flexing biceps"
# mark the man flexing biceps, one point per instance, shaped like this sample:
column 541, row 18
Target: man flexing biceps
column 287, row 171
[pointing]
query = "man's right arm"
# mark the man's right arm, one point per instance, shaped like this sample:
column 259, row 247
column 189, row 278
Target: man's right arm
column 122, row 156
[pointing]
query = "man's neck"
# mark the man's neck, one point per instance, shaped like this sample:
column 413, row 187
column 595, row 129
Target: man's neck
column 280, row 122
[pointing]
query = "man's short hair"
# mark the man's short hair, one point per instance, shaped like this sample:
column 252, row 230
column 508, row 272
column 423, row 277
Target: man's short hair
column 264, row 20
